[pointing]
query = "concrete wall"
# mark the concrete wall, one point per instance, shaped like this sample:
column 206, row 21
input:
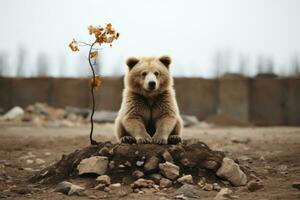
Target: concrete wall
column 263, row 101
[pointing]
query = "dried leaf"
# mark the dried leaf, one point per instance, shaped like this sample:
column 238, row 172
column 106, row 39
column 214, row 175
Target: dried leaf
column 96, row 83
column 94, row 54
column 73, row 45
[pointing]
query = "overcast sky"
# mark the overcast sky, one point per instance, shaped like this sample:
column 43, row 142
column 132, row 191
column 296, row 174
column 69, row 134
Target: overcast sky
column 190, row 31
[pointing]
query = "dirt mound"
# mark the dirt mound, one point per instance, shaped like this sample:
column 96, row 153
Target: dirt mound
column 226, row 120
column 192, row 157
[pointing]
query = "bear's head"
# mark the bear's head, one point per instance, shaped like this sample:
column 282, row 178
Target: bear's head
column 148, row 76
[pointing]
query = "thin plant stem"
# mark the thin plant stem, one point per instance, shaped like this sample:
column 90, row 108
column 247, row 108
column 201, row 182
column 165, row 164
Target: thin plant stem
column 93, row 142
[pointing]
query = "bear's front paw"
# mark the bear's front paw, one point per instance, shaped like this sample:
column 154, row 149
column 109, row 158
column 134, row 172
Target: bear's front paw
column 159, row 140
column 144, row 140
column 174, row 139
column 128, row 139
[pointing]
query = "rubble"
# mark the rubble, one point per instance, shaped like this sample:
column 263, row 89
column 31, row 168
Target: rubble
column 39, row 161
column 224, row 194
column 151, row 164
column 189, row 191
column 143, row 183
column 138, row 174
column 13, row 113
column 232, row 172
column 165, row 183
column 169, row 170
column 68, row 188
column 189, row 120
column 94, row 164
column 208, row 187
column 104, row 179
column 186, row 179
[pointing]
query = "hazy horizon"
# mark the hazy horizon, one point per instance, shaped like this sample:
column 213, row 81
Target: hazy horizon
column 196, row 34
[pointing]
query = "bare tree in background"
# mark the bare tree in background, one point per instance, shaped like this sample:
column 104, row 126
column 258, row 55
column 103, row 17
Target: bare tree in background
column 21, row 58
column 295, row 65
column 243, row 64
column 3, row 64
column 42, row 65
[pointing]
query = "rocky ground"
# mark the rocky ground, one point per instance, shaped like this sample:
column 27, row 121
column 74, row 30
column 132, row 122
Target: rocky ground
column 273, row 153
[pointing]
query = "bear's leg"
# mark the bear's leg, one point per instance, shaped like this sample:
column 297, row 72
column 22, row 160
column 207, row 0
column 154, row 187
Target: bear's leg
column 175, row 138
column 127, row 139
column 136, row 129
column 164, row 127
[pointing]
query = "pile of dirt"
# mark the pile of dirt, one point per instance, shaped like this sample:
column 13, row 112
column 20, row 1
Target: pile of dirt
column 225, row 120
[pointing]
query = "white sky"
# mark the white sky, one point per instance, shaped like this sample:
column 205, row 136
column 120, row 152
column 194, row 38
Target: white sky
column 191, row 31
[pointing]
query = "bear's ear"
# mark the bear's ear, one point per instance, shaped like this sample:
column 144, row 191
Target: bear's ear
column 131, row 62
column 166, row 60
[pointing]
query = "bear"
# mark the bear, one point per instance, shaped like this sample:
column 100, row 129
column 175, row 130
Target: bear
column 149, row 112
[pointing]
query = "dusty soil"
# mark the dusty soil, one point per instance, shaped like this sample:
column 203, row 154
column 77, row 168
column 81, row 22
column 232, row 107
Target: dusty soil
column 273, row 153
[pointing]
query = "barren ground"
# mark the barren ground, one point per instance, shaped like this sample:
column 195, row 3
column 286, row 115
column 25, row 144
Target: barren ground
column 274, row 154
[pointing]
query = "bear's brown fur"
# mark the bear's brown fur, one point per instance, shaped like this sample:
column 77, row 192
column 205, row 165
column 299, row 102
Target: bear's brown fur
column 149, row 111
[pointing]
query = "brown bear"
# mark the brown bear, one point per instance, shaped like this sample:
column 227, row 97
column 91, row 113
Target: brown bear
column 149, row 111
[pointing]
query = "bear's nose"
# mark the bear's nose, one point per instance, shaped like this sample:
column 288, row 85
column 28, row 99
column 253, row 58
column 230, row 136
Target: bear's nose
column 151, row 85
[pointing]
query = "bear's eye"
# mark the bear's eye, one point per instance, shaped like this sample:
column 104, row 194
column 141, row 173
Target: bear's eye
column 156, row 73
column 144, row 73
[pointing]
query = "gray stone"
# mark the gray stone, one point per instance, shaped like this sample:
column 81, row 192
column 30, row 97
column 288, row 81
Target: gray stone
column 138, row 174
column 94, row 164
column 105, row 116
column 143, row 183
column 189, row 191
column 186, row 179
column 169, row 170
column 224, row 194
column 167, row 157
column 13, row 113
column 165, row 183
column 232, row 172
column 156, row 178
column 68, row 188
column 151, row 164
column 104, row 179
column 189, row 120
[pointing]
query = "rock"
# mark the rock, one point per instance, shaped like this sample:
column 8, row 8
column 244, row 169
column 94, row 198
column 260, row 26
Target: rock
column 151, row 164
column 139, row 163
column 167, row 157
column 13, row 113
column 104, row 151
column 115, row 185
column 156, row 178
column 245, row 158
column 181, row 197
column 48, row 154
column 29, row 161
column 68, row 188
column 143, row 183
column 169, row 170
column 84, row 112
column 94, row 164
column 254, row 185
column 137, row 174
column 232, row 172
column 208, row 187
column 186, row 179
column 105, row 116
column 128, row 164
column 189, row 191
column 111, row 164
column 296, row 185
column 104, row 179
column 217, row 187
column 107, row 189
column 165, row 183
column 39, row 161
column 224, row 194
column 189, row 120
column 100, row 186
column 210, row 164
